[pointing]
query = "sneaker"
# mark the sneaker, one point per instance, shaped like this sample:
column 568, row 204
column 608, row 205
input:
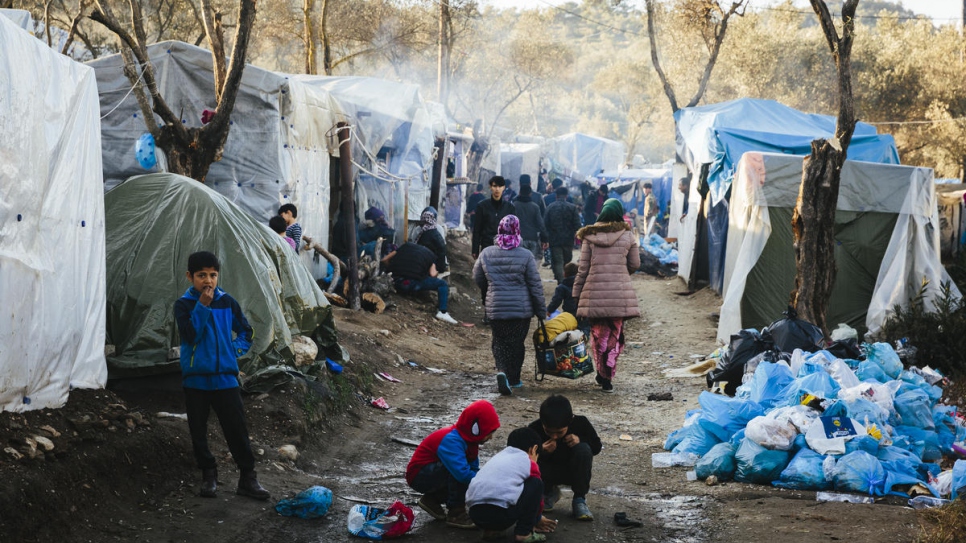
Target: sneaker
column 458, row 518
column 433, row 507
column 443, row 316
column 607, row 387
column 518, row 384
column 581, row 511
column 600, row 380
column 502, row 384
column 550, row 499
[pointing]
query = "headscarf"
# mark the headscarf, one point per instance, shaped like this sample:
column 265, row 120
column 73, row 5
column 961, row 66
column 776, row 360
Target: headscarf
column 428, row 218
column 508, row 233
column 613, row 211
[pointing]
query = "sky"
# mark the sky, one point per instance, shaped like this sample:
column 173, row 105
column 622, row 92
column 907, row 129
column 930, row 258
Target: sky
column 942, row 11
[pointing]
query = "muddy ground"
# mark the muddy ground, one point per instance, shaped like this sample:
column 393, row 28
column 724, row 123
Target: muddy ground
column 120, row 472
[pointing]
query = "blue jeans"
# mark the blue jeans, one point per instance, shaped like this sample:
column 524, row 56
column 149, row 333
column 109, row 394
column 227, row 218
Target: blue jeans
column 437, row 482
column 429, row 283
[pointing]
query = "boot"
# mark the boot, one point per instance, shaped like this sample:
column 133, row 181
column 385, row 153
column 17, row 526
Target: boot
column 209, row 482
column 248, row 486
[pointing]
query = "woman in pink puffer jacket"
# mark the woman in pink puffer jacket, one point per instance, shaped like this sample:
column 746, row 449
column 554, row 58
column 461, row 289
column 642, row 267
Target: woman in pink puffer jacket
column 609, row 253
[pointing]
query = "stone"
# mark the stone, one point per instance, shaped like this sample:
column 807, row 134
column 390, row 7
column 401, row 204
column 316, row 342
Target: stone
column 288, row 452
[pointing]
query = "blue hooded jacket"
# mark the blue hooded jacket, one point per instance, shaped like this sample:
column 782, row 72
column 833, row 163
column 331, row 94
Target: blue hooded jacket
column 209, row 355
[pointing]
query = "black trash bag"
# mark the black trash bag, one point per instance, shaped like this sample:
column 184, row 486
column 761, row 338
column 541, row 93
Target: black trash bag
column 743, row 346
column 792, row 333
column 846, row 349
column 769, row 355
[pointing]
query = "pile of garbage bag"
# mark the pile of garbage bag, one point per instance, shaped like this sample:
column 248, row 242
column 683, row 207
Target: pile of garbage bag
column 658, row 257
column 844, row 417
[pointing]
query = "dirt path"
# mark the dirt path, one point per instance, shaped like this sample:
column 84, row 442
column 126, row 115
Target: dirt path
column 359, row 461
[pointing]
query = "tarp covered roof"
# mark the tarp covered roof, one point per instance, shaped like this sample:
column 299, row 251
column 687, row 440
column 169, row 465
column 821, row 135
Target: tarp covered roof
column 154, row 222
column 52, row 263
column 582, row 156
column 887, row 242
column 718, row 134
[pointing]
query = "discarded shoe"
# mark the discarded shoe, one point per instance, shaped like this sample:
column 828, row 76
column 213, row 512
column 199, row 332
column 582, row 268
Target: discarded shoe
column 581, row 511
column 621, row 520
column 248, row 486
column 551, row 498
column 443, row 316
column 433, row 507
column 502, row 384
column 209, row 482
column 458, row 518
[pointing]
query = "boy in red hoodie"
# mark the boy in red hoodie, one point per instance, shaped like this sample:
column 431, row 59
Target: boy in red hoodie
column 448, row 459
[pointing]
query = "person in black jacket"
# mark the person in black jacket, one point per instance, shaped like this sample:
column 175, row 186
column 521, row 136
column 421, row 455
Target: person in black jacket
column 489, row 213
column 531, row 222
column 413, row 269
column 430, row 238
column 567, row 454
column 562, row 222
column 563, row 294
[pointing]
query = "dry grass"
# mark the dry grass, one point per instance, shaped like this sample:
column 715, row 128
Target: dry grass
column 943, row 524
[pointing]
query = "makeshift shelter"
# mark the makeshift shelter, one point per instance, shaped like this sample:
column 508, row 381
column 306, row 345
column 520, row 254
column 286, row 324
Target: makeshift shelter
column 887, row 242
column 581, row 157
column 951, row 217
column 711, row 140
column 392, row 143
column 52, row 263
column 154, row 222
column 278, row 145
column 629, row 185
column 517, row 159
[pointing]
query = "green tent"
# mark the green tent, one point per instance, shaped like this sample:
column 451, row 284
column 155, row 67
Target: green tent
column 886, row 242
column 153, row 223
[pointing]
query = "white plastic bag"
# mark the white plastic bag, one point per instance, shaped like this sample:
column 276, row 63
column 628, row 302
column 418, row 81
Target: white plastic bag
column 842, row 373
column 827, row 435
column 843, row 332
column 943, row 483
column 778, row 429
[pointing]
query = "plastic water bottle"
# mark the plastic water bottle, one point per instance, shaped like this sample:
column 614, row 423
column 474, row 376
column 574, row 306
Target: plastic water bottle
column 926, row 502
column 840, row 497
column 669, row 459
column 691, row 475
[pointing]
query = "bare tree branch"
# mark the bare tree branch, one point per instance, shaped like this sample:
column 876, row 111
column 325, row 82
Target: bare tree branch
column 651, row 34
column 216, row 40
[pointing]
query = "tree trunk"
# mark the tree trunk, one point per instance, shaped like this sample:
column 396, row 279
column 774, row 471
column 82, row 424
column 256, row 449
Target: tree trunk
column 442, row 67
column 478, row 150
column 813, row 224
column 813, row 221
column 347, row 210
column 324, row 33
column 311, row 64
column 438, row 173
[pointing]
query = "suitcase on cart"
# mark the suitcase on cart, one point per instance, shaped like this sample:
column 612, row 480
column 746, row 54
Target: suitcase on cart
column 570, row 360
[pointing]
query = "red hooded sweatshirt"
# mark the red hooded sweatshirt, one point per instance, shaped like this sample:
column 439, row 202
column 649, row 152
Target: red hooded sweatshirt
column 457, row 446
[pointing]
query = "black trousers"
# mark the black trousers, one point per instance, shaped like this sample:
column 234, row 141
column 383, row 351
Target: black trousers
column 438, row 483
column 227, row 404
column 525, row 513
column 509, row 346
column 569, row 467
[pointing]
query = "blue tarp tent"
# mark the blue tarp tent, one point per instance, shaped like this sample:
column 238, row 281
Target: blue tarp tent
column 627, row 185
column 716, row 136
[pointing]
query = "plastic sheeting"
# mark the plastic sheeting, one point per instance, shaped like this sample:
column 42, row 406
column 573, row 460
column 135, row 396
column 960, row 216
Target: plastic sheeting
column 153, row 223
column 718, row 134
column 392, row 142
column 517, row 159
column 660, row 179
column 887, row 241
column 277, row 149
column 582, row 157
column 52, row 263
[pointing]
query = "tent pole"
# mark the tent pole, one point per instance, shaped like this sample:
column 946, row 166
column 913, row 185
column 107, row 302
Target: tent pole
column 348, row 209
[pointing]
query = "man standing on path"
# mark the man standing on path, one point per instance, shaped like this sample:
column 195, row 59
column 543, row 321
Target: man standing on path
column 562, row 222
column 650, row 209
column 532, row 229
column 473, row 201
column 489, row 213
column 594, row 203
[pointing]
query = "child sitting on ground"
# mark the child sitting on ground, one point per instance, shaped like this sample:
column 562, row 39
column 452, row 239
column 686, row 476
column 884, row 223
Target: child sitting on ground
column 277, row 224
column 447, row 460
column 507, row 491
column 567, row 453
column 563, row 294
column 207, row 319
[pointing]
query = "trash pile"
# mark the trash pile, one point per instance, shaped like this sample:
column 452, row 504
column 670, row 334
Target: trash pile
column 807, row 416
column 658, row 257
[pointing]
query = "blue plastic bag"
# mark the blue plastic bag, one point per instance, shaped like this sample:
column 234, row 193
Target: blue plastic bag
column 699, row 438
column 915, row 409
column 867, row 412
column 861, row 472
column 768, row 382
column 804, row 472
column 959, row 479
column 869, row 370
column 144, row 151
column 885, row 356
column 732, row 414
column 818, row 384
column 312, row 502
column 756, row 464
column 928, row 440
column 864, row 443
column 719, row 461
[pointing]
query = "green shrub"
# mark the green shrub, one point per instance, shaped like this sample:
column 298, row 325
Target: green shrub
column 939, row 333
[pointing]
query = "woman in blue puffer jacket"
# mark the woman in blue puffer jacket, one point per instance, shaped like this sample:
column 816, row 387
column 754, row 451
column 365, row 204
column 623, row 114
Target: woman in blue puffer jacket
column 508, row 275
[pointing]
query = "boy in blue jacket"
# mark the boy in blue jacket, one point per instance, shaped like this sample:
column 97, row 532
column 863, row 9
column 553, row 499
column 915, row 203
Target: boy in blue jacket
column 207, row 318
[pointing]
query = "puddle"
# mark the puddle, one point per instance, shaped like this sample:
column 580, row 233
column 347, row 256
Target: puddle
column 682, row 517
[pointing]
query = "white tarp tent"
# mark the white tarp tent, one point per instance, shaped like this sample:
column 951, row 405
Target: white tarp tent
column 392, row 142
column 581, row 156
column 517, row 159
column 278, row 147
column 52, row 263
column 887, row 240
